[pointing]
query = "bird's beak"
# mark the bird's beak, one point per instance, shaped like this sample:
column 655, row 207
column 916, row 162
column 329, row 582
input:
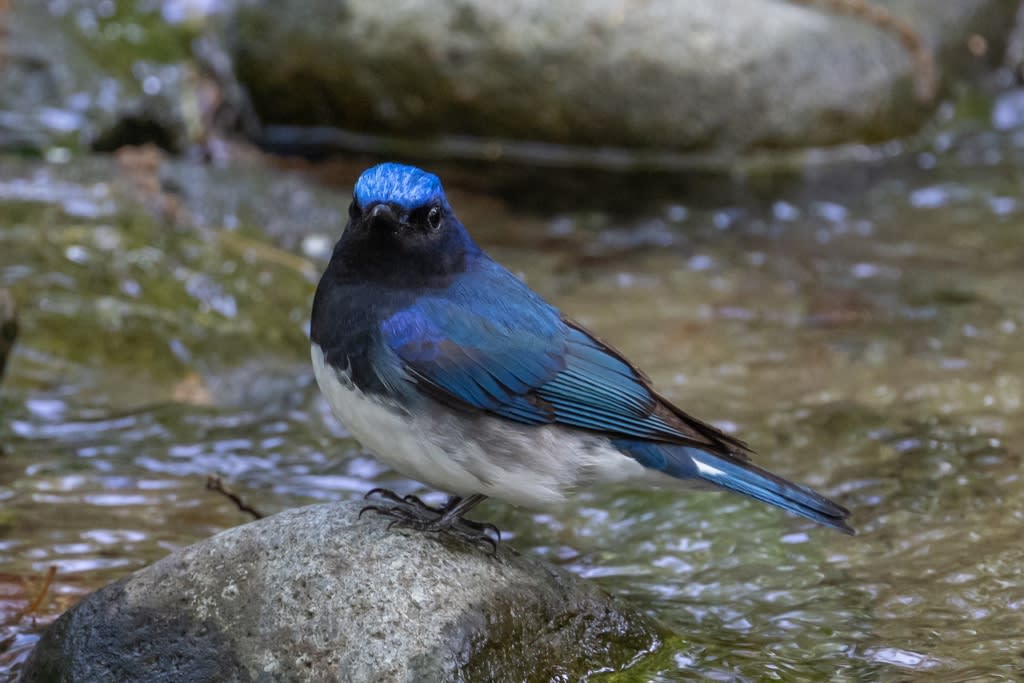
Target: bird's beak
column 382, row 214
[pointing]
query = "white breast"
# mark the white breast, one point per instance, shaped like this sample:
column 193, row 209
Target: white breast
column 466, row 454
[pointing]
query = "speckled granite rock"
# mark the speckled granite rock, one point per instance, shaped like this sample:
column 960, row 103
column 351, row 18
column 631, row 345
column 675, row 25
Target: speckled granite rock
column 316, row 594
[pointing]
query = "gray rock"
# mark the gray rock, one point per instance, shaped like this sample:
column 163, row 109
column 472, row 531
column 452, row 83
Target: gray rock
column 727, row 75
column 94, row 74
column 314, row 594
column 57, row 90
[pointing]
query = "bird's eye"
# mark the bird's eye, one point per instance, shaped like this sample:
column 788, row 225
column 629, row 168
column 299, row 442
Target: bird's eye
column 434, row 217
column 354, row 211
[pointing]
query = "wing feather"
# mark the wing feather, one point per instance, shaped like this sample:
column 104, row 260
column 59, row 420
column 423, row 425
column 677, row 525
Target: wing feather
column 530, row 365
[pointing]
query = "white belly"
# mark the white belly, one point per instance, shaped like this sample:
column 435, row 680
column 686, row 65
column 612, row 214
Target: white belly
column 524, row 465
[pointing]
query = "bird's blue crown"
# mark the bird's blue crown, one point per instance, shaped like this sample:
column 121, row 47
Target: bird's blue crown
column 406, row 186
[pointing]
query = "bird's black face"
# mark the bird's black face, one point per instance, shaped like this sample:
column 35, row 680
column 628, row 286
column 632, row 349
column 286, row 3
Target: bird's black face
column 387, row 223
column 386, row 243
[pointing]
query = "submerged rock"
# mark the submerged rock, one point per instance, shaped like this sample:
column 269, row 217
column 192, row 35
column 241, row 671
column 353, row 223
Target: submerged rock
column 703, row 75
column 317, row 594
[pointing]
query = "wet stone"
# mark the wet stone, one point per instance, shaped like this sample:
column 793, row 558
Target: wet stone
column 316, row 593
column 93, row 74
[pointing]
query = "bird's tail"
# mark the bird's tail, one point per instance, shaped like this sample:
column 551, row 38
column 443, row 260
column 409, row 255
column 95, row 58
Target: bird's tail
column 735, row 474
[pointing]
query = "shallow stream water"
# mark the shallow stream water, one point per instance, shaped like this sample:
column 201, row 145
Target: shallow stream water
column 864, row 337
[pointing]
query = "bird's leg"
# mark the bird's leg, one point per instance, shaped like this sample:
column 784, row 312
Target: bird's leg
column 453, row 523
column 454, row 514
column 410, row 512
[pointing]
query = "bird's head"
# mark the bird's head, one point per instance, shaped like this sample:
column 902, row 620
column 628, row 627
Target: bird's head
column 401, row 227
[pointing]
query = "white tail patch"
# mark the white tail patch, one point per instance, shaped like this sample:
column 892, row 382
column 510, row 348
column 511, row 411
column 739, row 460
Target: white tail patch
column 708, row 470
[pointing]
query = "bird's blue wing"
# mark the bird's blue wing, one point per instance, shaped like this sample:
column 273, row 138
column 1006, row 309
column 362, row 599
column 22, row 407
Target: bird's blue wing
column 503, row 350
column 508, row 353
column 465, row 360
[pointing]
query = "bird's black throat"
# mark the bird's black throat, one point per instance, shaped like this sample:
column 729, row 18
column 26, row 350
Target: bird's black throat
column 399, row 252
column 378, row 267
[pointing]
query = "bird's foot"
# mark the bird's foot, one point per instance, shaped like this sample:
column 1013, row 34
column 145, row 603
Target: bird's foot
column 409, row 501
column 409, row 512
column 466, row 530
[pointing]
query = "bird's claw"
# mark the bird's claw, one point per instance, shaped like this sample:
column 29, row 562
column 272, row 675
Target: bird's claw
column 406, row 501
column 387, row 494
column 410, row 512
column 467, row 531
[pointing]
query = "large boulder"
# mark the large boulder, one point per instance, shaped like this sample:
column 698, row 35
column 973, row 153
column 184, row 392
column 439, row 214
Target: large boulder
column 698, row 75
column 317, row 594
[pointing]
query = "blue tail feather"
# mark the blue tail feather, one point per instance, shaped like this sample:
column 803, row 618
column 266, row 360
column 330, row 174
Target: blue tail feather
column 734, row 474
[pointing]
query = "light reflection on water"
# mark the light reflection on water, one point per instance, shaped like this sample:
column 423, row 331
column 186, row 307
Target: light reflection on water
column 867, row 345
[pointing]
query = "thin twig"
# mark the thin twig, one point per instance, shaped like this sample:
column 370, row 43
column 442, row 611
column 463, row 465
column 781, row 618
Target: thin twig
column 214, row 483
column 925, row 80
column 41, row 594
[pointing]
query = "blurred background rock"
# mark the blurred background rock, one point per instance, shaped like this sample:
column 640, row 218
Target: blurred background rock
column 725, row 76
column 554, row 82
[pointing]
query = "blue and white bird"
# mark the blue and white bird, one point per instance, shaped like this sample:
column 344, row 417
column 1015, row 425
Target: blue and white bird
column 454, row 372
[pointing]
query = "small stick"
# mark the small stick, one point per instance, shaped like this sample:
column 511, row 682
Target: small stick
column 214, row 483
column 41, row 594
